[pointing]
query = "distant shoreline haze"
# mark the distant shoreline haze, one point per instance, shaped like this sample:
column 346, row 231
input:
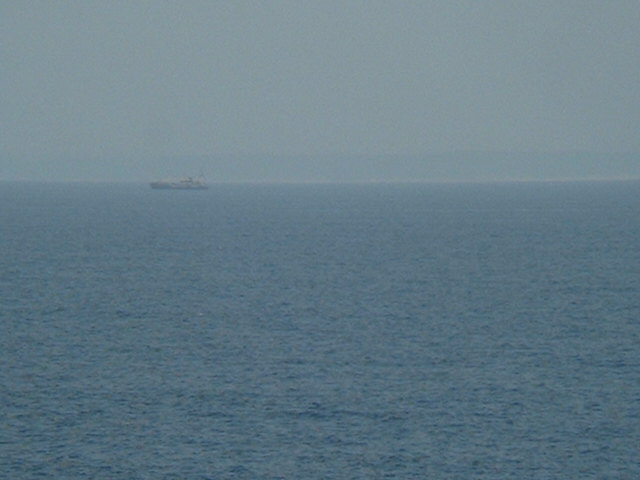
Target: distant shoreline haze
column 465, row 166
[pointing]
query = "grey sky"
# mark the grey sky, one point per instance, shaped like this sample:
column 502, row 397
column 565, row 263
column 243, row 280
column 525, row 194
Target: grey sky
column 101, row 80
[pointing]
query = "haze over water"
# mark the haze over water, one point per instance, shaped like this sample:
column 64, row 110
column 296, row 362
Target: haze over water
column 362, row 90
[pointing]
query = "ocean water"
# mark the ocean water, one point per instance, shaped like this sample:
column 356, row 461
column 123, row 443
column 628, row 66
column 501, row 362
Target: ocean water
column 462, row 331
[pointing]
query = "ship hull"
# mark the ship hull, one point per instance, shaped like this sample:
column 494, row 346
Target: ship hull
column 187, row 183
column 169, row 186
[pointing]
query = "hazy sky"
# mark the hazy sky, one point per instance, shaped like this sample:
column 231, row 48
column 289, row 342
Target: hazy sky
column 100, row 80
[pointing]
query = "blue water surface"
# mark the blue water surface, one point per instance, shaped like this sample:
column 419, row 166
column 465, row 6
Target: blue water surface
column 460, row 331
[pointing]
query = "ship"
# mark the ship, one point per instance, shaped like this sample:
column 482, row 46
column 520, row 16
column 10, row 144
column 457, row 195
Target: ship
column 186, row 183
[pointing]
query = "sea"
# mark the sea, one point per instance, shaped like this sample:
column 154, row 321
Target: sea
column 320, row 331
